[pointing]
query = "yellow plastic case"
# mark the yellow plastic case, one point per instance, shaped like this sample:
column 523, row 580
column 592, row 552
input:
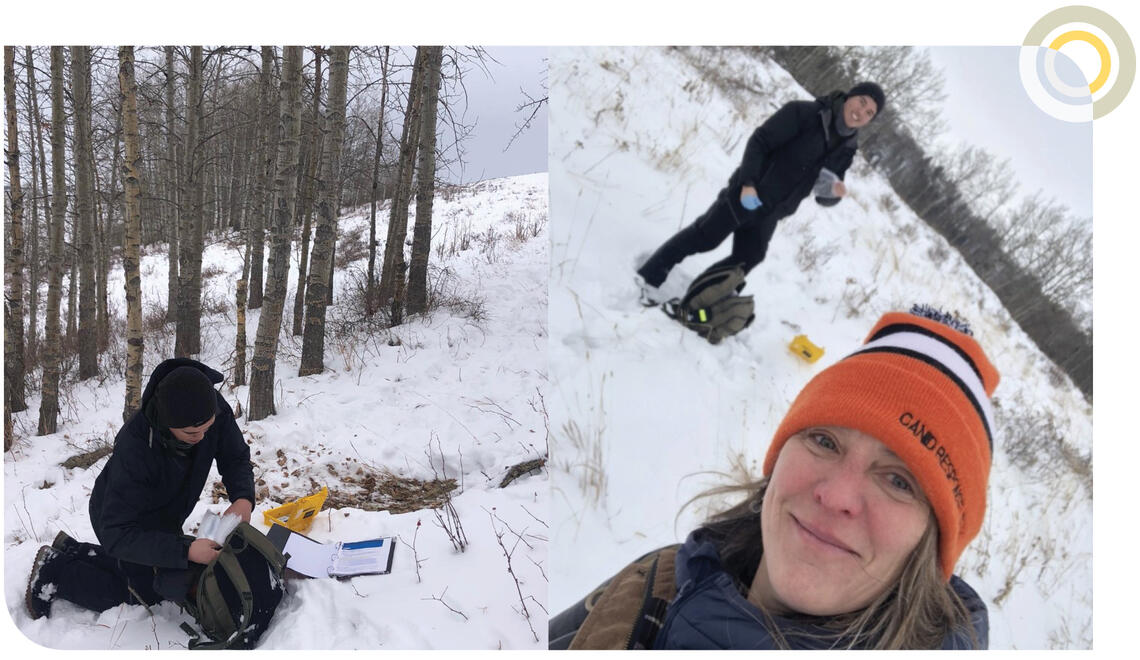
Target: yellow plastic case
column 299, row 515
column 803, row 347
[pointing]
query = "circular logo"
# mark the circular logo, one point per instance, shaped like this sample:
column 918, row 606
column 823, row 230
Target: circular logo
column 1057, row 84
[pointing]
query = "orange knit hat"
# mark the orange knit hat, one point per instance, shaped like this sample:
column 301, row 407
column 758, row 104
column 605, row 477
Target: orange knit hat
column 923, row 389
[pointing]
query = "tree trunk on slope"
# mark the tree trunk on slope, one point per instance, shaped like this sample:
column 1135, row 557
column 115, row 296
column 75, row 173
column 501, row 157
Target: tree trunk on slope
column 393, row 272
column 35, row 146
column 14, row 260
column 49, row 401
column 267, row 147
column 313, row 346
column 305, row 203
column 132, row 228
column 370, row 288
column 425, row 185
column 86, row 339
column 285, row 184
column 188, row 333
column 173, row 187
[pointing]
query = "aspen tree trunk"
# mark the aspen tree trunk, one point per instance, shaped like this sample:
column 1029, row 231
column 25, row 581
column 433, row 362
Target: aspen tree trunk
column 313, row 345
column 393, row 273
column 49, row 401
column 14, row 260
column 187, row 340
column 306, row 197
column 72, row 264
column 370, row 289
column 173, row 186
column 233, row 207
column 87, row 339
column 240, row 340
column 425, row 185
column 103, row 219
column 132, row 228
column 9, row 432
column 285, row 184
column 34, row 137
column 267, row 149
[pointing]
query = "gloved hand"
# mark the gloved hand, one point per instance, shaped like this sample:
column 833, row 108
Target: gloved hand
column 748, row 198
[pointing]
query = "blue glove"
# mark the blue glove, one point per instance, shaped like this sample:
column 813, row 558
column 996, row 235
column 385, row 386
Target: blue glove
column 750, row 202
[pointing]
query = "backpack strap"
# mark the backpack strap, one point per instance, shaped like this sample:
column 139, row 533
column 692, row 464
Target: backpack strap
column 631, row 610
column 261, row 543
column 218, row 618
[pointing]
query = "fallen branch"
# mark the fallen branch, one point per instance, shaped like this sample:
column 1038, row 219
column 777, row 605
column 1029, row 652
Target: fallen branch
column 440, row 599
column 520, row 469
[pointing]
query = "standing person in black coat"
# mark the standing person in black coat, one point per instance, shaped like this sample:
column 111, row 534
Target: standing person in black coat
column 805, row 147
column 141, row 499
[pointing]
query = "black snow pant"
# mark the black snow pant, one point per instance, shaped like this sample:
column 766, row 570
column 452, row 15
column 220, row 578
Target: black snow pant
column 86, row 575
column 751, row 232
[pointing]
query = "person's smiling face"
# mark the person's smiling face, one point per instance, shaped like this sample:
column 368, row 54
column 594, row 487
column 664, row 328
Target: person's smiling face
column 840, row 517
column 858, row 111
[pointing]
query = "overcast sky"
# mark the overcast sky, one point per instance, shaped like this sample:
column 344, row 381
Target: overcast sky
column 987, row 106
column 492, row 102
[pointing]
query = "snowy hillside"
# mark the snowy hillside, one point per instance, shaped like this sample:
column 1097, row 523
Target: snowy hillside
column 645, row 413
column 457, row 395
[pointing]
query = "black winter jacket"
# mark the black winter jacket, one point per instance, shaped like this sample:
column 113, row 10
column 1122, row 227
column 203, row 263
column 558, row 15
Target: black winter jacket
column 146, row 491
column 783, row 157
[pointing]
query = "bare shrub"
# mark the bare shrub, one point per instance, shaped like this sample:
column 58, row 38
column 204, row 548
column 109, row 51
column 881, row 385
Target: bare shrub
column 1037, row 447
column 524, row 225
column 446, row 517
column 908, row 232
column 154, row 318
column 211, row 271
column 938, row 254
column 444, row 292
column 810, row 257
column 489, row 245
column 351, row 248
column 214, row 302
column 590, row 468
column 856, row 297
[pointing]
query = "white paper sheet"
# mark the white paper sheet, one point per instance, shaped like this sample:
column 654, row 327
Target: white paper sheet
column 308, row 557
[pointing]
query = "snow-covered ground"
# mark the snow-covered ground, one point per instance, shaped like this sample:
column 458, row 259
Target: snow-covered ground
column 645, row 413
column 459, row 393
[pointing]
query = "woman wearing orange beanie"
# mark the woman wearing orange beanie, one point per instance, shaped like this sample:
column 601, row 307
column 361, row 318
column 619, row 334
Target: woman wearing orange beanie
column 873, row 485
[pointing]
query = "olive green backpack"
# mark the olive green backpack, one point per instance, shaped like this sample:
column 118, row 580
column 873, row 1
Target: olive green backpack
column 237, row 593
column 712, row 307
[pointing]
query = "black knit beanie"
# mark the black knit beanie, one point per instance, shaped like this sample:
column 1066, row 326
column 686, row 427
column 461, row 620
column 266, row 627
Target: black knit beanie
column 872, row 90
column 185, row 397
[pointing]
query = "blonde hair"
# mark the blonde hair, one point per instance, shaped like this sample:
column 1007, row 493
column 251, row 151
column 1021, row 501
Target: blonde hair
column 917, row 611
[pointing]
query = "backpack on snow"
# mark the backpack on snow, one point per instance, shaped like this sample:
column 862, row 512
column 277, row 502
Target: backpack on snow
column 237, row 593
column 711, row 306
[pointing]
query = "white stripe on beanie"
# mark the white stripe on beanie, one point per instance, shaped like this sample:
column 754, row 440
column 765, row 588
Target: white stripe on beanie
column 945, row 356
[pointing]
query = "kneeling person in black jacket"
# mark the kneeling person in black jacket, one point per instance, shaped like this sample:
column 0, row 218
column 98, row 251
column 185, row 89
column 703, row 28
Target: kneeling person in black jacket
column 141, row 499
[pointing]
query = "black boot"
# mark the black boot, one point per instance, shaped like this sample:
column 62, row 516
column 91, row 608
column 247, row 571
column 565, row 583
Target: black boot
column 41, row 583
column 64, row 543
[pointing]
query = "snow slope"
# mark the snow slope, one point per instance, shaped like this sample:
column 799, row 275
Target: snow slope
column 458, row 393
column 645, row 413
